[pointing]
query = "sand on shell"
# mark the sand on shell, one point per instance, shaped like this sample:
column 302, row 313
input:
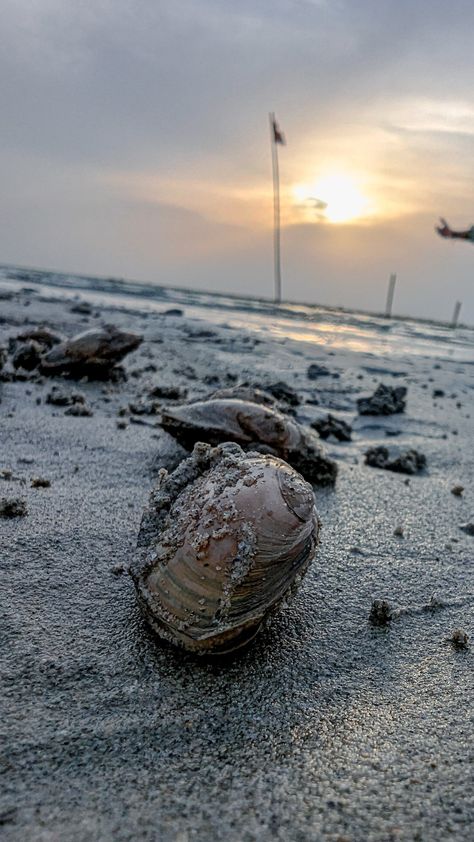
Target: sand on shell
column 327, row 728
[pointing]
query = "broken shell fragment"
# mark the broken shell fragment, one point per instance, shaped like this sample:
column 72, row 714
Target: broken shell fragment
column 93, row 350
column 226, row 537
column 255, row 427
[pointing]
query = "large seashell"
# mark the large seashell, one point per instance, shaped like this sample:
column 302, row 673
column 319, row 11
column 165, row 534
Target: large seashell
column 253, row 426
column 225, row 538
column 95, row 349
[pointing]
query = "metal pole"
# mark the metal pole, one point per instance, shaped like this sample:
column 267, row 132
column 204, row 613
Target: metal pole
column 391, row 290
column 276, row 212
column 457, row 310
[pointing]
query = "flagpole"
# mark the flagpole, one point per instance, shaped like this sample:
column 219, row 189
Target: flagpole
column 276, row 212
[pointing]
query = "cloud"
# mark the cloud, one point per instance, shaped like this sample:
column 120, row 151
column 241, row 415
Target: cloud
column 150, row 119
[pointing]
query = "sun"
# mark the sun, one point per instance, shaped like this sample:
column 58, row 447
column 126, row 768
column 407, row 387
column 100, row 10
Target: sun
column 336, row 197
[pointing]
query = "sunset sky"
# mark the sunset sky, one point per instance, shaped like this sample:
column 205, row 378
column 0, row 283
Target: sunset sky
column 135, row 143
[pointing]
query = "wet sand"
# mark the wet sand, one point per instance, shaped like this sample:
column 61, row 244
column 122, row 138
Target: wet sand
column 328, row 727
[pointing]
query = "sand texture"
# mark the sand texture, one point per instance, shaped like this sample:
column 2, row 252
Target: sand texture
column 329, row 727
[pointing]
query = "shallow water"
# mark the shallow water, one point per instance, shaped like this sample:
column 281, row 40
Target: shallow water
column 337, row 329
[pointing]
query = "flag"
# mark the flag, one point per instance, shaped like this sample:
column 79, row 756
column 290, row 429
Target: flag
column 278, row 135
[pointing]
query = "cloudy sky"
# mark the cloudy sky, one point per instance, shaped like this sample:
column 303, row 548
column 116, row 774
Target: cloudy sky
column 134, row 142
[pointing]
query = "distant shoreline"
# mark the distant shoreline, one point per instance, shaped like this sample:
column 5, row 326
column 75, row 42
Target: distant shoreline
column 54, row 277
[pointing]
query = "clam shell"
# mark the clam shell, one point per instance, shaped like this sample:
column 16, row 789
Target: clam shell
column 225, row 538
column 98, row 348
column 251, row 425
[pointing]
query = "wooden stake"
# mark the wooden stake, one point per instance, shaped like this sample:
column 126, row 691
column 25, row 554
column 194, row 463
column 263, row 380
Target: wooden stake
column 391, row 290
column 457, row 310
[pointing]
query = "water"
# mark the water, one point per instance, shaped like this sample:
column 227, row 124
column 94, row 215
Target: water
column 334, row 328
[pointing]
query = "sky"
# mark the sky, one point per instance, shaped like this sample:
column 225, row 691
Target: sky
column 135, row 143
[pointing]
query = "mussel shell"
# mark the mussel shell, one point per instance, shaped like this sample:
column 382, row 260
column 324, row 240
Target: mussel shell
column 251, row 425
column 225, row 538
column 94, row 348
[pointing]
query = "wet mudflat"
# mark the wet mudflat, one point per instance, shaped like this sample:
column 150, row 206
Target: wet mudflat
column 329, row 727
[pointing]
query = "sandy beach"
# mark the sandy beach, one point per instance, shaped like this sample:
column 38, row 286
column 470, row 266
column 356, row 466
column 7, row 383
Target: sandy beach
column 329, row 727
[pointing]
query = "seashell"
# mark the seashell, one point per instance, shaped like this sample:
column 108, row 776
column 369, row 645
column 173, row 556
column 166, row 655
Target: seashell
column 253, row 426
column 95, row 349
column 226, row 537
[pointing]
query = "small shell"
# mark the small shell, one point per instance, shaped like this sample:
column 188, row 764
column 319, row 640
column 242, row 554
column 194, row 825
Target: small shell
column 252, row 426
column 226, row 537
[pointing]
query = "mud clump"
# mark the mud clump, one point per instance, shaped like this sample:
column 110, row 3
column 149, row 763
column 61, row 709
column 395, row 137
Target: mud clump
column 282, row 392
column 40, row 482
column 168, row 393
column 27, row 355
column 13, row 507
column 459, row 639
column 331, row 426
column 380, row 613
column 61, row 397
column 314, row 371
column 386, row 400
column 43, row 336
column 406, row 462
column 80, row 410
column 82, row 307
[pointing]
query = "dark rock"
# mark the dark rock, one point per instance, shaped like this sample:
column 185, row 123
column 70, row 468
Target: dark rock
column 331, row 426
column 406, row 462
column 173, row 311
column 13, row 507
column 386, row 400
column 457, row 490
column 438, row 393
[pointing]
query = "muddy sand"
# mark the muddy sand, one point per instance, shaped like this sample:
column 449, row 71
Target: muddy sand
column 332, row 726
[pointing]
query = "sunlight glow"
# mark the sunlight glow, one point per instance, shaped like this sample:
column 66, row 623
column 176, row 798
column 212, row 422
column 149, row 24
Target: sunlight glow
column 335, row 197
